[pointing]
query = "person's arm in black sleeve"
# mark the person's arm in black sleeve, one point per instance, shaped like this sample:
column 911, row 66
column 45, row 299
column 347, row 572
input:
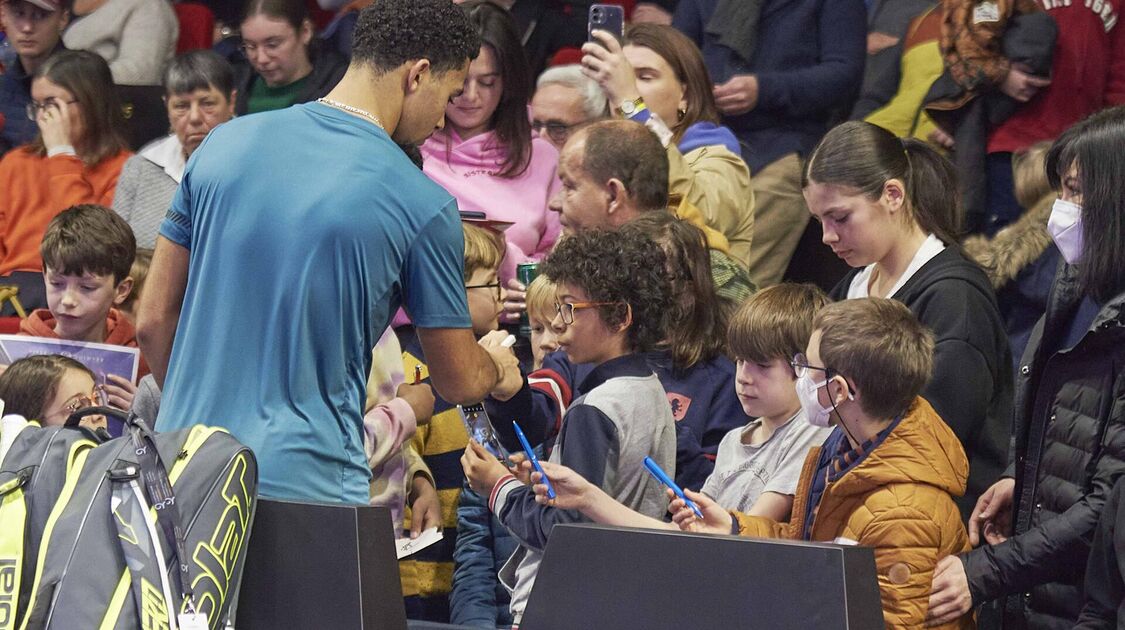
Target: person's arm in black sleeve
column 518, row 408
column 1055, row 549
column 1103, row 586
column 587, row 440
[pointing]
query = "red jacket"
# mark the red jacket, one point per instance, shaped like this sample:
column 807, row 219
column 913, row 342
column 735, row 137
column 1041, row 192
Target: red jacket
column 119, row 331
column 1088, row 74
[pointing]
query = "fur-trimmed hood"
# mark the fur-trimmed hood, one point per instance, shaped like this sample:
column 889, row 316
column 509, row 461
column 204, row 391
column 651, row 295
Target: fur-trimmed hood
column 1015, row 247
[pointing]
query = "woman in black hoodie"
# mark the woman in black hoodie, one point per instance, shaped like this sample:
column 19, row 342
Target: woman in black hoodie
column 888, row 207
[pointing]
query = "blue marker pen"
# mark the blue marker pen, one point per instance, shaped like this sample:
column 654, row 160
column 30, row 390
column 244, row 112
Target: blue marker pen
column 533, row 459
column 663, row 478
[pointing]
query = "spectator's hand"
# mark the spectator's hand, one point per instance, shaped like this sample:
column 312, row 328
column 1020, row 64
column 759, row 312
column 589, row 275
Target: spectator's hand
column 651, row 13
column 992, row 514
column 738, row 95
column 879, row 41
column 519, row 466
column 507, row 365
column 716, row 520
column 54, row 125
column 420, row 397
column 1021, row 85
column 572, row 491
column 481, row 468
column 942, row 139
column 120, row 392
column 425, row 510
column 949, row 594
column 605, row 64
column 515, row 299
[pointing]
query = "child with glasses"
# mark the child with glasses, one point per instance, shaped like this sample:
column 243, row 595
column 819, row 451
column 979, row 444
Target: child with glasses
column 48, row 388
column 434, row 484
column 887, row 474
column 758, row 464
column 611, row 297
column 483, row 545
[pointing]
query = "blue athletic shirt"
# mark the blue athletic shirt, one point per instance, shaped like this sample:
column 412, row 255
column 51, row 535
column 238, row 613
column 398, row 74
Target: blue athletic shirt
column 307, row 228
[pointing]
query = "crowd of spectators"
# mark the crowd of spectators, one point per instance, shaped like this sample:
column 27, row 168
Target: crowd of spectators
column 325, row 198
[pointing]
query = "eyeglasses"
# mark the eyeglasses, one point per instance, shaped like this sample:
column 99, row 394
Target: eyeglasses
column 34, row 108
column 558, row 131
column 95, row 398
column 566, row 309
column 801, row 366
column 491, row 285
column 270, row 46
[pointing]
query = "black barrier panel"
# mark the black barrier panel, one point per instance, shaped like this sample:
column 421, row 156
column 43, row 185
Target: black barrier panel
column 320, row 566
column 595, row 577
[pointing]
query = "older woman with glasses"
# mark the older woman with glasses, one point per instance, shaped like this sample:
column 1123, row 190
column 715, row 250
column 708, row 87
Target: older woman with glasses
column 76, row 158
column 199, row 95
column 283, row 65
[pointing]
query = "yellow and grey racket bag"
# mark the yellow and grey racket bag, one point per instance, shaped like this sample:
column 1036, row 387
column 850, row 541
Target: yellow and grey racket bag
column 107, row 562
column 34, row 465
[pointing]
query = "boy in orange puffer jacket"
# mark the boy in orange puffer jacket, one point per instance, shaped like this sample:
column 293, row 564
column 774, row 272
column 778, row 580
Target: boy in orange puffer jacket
column 886, row 476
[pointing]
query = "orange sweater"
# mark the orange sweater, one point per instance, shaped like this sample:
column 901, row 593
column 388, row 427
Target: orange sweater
column 34, row 189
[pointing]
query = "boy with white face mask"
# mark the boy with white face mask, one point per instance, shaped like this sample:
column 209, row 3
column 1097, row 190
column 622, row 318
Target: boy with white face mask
column 886, row 476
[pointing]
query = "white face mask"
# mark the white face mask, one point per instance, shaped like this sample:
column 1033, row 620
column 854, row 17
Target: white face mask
column 1065, row 227
column 816, row 414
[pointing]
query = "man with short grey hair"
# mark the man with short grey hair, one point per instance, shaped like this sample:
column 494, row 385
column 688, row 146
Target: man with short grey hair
column 564, row 100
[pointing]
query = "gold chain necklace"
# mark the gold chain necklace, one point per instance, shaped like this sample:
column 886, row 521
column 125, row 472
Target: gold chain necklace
column 353, row 110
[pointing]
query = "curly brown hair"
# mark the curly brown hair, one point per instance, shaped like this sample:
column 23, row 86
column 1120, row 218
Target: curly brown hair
column 625, row 268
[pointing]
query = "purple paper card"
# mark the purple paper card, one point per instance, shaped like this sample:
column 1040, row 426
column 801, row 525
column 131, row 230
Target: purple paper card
column 102, row 359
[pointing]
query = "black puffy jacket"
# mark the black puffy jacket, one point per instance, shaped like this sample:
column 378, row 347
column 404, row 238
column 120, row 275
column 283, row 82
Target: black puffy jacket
column 1105, row 588
column 1069, row 450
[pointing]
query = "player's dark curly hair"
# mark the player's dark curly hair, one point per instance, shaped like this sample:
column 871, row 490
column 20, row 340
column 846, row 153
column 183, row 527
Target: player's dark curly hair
column 624, row 267
column 390, row 33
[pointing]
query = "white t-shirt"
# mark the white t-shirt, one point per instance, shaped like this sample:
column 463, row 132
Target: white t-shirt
column 931, row 247
column 744, row 471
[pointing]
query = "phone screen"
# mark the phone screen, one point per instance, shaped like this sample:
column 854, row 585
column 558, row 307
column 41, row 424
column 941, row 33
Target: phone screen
column 606, row 17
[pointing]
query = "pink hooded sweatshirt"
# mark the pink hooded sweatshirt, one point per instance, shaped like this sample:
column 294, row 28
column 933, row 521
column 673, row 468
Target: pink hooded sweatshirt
column 468, row 170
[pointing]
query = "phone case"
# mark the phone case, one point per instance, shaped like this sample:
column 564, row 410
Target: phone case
column 606, row 17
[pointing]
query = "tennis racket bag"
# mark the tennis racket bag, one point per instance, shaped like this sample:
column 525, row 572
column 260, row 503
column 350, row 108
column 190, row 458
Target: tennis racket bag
column 150, row 532
column 34, row 465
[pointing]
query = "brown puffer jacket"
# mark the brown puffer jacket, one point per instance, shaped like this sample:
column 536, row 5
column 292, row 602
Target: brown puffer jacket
column 898, row 499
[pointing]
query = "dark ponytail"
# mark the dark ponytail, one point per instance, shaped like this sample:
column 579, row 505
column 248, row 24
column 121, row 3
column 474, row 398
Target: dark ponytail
column 863, row 156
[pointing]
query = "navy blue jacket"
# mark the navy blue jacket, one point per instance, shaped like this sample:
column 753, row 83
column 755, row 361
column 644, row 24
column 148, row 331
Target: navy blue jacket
column 15, row 94
column 704, row 405
column 809, row 63
column 478, row 599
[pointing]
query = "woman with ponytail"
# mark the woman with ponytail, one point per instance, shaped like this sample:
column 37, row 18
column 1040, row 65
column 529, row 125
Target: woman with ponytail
column 889, row 209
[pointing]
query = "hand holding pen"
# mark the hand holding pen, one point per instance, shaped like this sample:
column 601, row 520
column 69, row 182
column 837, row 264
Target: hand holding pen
column 656, row 471
column 534, row 460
